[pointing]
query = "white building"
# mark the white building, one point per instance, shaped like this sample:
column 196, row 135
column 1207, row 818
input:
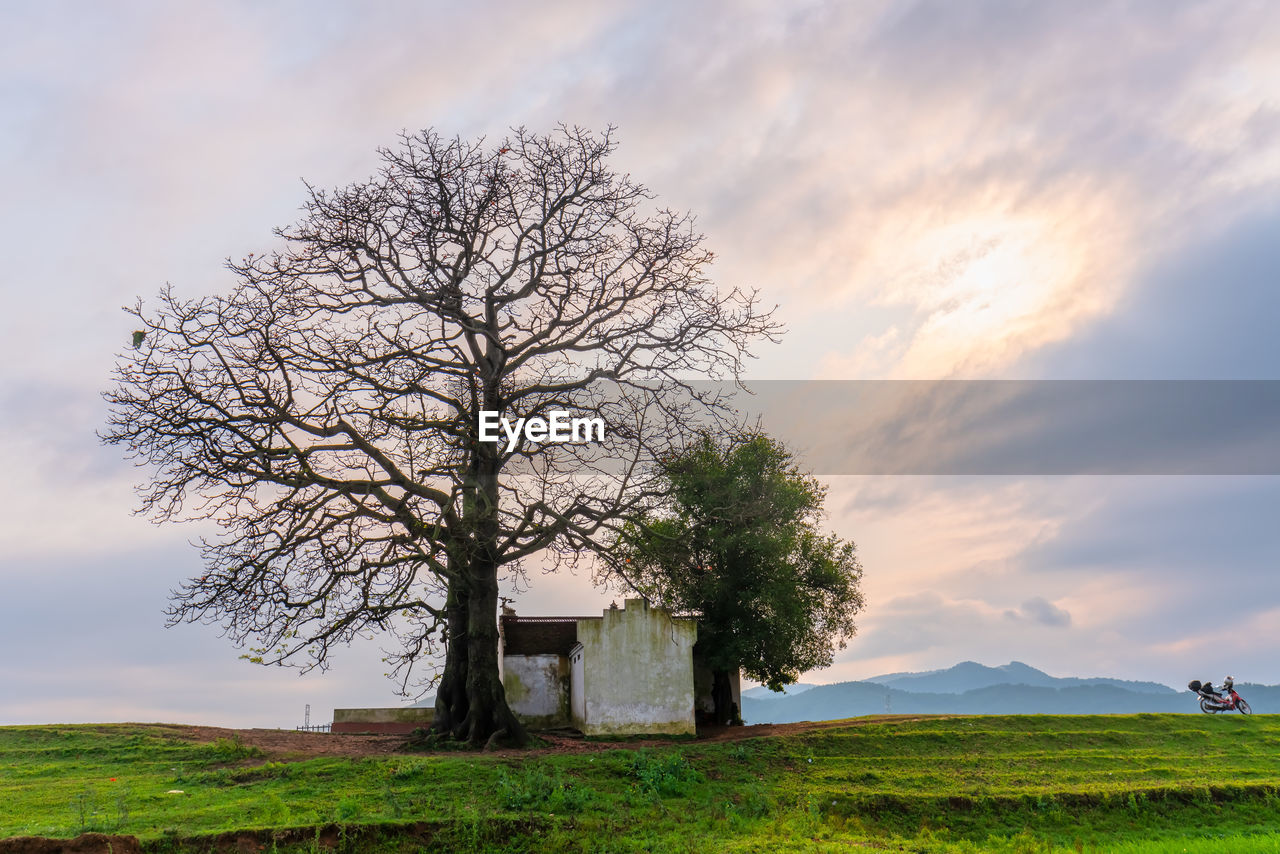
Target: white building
column 632, row 670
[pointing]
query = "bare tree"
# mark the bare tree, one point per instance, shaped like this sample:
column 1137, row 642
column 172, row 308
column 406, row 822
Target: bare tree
column 326, row 411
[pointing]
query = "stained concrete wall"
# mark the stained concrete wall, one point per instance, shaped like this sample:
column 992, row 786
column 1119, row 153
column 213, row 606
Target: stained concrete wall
column 637, row 672
column 577, row 688
column 537, row 688
column 401, row 719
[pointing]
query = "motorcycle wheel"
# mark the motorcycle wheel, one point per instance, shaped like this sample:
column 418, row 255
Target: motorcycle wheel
column 1208, row 707
column 1243, row 707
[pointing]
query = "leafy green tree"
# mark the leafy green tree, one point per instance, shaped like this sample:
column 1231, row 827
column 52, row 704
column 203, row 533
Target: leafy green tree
column 738, row 543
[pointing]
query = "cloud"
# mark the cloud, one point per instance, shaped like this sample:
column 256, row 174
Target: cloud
column 1030, row 178
column 1204, row 310
column 925, row 601
column 1023, row 427
column 1039, row 610
column 100, row 651
column 69, row 495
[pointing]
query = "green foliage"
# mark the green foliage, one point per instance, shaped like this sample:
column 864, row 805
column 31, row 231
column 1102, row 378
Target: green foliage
column 93, row 812
column 392, row 803
column 85, row 805
column 665, row 773
column 535, row 787
column 348, row 809
column 739, row 543
column 233, row 749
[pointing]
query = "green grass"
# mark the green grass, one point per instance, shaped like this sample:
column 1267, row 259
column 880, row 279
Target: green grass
column 1132, row 784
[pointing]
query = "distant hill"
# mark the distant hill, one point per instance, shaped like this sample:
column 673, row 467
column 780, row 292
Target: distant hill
column 1041, row 694
column 968, row 675
column 760, row 692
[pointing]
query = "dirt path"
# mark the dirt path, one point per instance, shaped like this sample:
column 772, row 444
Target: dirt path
column 286, row 744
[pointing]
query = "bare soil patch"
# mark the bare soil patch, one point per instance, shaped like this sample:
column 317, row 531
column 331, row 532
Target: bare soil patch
column 291, row 744
column 285, row 744
column 85, row 843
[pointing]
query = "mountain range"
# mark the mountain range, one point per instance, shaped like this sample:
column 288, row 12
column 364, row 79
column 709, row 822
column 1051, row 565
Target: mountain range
column 972, row 688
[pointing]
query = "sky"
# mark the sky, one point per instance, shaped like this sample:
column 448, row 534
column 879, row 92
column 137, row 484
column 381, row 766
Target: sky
column 927, row 190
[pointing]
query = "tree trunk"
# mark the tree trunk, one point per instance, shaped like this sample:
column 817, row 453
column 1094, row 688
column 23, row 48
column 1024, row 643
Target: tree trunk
column 490, row 722
column 451, row 693
column 725, row 711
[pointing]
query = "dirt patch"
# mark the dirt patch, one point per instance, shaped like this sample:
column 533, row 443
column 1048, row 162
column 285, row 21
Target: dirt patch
column 291, row 744
column 326, row 837
column 85, row 843
column 285, row 744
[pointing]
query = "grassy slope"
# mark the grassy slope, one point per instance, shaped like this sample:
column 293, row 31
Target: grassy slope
column 1126, row 783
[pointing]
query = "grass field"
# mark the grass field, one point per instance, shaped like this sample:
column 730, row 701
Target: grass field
column 1141, row 783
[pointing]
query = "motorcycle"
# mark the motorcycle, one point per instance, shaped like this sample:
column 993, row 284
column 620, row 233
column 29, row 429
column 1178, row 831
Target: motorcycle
column 1212, row 702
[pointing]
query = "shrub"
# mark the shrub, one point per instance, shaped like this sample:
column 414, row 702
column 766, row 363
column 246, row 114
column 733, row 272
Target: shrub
column 533, row 787
column 663, row 773
column 231, row 749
